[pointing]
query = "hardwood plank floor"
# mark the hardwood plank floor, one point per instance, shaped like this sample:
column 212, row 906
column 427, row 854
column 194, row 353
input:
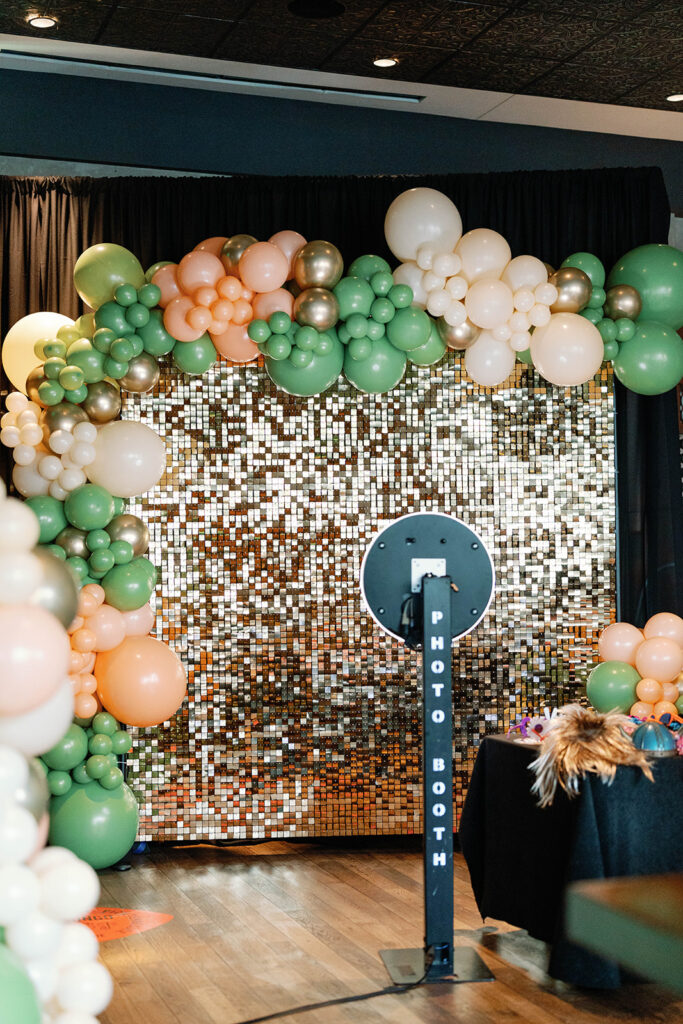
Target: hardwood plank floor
column 265, row 928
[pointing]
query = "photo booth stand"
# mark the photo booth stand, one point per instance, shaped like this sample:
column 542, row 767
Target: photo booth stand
column 427, row 579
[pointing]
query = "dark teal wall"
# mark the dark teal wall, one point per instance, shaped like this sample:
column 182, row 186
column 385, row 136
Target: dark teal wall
column 95, row 120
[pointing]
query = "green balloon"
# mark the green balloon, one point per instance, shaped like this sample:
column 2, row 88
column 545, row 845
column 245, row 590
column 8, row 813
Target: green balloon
column 105, row 724
column 121, row 742
column 608, row 329
column 50, row 392
column 625, row 328
column 112, row 779
column 101, row 561
column 594, row 315
column 129, row 586
column 380, row 372
column 525, row 357
column 97, row 539
column 97, row 765
column 100, row 743
column 126, row 295
column 656, row 272
column 433, row 350
column 149, row 295
column 79, row 568
column 122, row 551
column 137, row 315
column 85, row 325
column 119, row 505
column 367, row 266
column 68, row 752
column 195, row 357
column 89, row 507
column 113, row 316
column 409, row 329
column 121, row 350
column 87, row 358
column 651, row 362
column 51, row 516
column 259, row 331
column 71, row 377
column 101, row 269
column 102, row 339
column 80, row 774
column 58, row 783
column 610, row 349
column 305, row 381
column 590, row 265
column 155, row 338
column 151, row 271
column 99, row 826
column 612, row 685
column 354, row 295
column 53, row 367
column 19, row 1002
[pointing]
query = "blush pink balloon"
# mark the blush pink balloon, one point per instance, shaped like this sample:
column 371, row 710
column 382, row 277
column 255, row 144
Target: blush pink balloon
column 665, row 624
column 235, row 344
column 108, row 626
column 175, row 319
column 198, row 269
column 263, row 267
column 659, row 658
column 213, row 245
column 34, row 657
column 289, row 242
column 140, row 621
column 619, row 642
column 277, row 301
column 166, row 280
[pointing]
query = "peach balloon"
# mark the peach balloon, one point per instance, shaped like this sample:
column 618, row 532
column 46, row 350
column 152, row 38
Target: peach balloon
column 205, row 295
column 670, row 692
column 175, row 320
column 263, row 267
column 34, row 657
column 288, row 242
column 222, row 309
column 76, row 660
column 84, row 640
column 664, row 707
column 141, row 682
column 140, row 621
column 167, row 282
column 108, row 626
column 75, row 624
column 213, row 245
column 87, row 603
column 229, row 288
column 96, row 590
column 88, row 684
column 665, row 624
column 197, row 269
column 619, row 642
column 235, row 344
column 641, row 709
column 649, row 690
column 277, row 301
column 660, row 659
column 85, row 705
column 199, row 318
column 75, row 680
column 89, row 663
column 242, row 312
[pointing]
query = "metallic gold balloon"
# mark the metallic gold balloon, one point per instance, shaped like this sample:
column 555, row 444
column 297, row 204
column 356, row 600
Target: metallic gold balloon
column 574, row 288
column 64, row 416
column 130, row 528
column 622, row 300
column 550, row 268
column 143, row 373
column 233, row 249
column 462, row 336
column 318, row 265
column 57, row 591
column 73, row 542
column 35, row 378
column 33, row 795
column 316, row 307
column 103, row 402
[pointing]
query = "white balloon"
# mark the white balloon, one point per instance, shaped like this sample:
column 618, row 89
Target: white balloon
column 20, row 574
column 74, row 1018
column 539, row 315
column 30, row 433
column 431, row 282
column 28, row 481
column 456, row 287
column 524, row 299
column 70, row 479
column 85, row 432
column 18, row 356
column 489, row 362
column 44, row 975
column 424, row 257
column 14, row 772
column 484, row 254
column 546, row 293
column 410, row 274
column 16, row 402
column 85, row 987
column 502, row 332
column 79, row 945
column 19, row 892
column 525, row 272
column 57, row 491
column 18, row 833
column 60, row 441
column 130, row 458
column 519, row 341
column 438, row 302
column 19, row 526
column 82, row 453
column 8, row 419
column 38, row 730
column 10, row 436
column 488, row 303
column 518, row 322
column 49, row 857
column 446, row 264
column 34, row 936
column 568, row 350
column 50, row 466
column 421, row 215
column 69, row 890
column 24, row 454
column 456, row 314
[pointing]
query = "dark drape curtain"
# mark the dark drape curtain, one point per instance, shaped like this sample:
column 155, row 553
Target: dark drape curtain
column 45, row 223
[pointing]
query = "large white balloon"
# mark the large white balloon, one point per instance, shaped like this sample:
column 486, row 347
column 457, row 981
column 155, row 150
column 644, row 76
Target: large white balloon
column 33, row 936
column 489, row 362
column 568, row 350
column 19, row 892
column 130, row 458
column 19, row 526
column 69, row 891
column 18, row 833
column 28, row 481
column 525, row 272
column 409, row 273
column 86, row 987
column 79, row 945
column 489, row 303
column 20, row 574
column 18, row 357
column 484, row 254
column 38, row 730
column 421, row 215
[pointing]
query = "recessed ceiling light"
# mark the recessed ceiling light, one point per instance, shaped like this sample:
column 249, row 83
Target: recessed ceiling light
column 41, row 20
column 385, row 62
column 676, row 98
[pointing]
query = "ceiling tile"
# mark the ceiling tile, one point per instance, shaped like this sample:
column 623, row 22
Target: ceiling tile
column 442, row 24
column 550, row 34
column 653, row 93
column 601, row 11
column 303, row 49
column 78, row 20
column 594, row 83
column 485, row 69
column 275, row 14
column 356, row 57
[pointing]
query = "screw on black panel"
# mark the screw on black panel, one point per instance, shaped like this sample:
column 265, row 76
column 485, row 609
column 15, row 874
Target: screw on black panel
column 475, row 547
column 443, row 541
column 380, row 611
column 381, row 544
column 474, row 611
column 410, row 540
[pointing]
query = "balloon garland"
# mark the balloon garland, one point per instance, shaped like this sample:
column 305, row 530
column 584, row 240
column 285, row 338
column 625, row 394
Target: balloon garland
column 75, row 580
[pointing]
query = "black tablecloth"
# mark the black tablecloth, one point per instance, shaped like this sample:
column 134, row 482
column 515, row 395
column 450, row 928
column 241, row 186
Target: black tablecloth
column 521, row 858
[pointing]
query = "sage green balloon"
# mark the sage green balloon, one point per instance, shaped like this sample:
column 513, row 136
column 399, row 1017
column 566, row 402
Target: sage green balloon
column 590, row 264
column 433, row 350
column 612, row 685
column 129, row 586
column 367, row 266
column 380, row 372
column 656, row 272
column 151, row 271
column 320, row 373
column 195, row 357
column 96, row 824
column 89, row 507
column 87, row 359
column 18, row 999
column 409, row 328
column 51, row 516
column 68, row 752
column 354, row 295
column 525, row 357
column 155, row 338
column 102, row 268
column 651, row 362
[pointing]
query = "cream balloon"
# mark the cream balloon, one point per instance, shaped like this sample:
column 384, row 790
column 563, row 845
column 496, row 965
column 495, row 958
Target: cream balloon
column 568, row 350
column 417, row 216
column 525, row 272
column 38, row 730
column 489, row 362
column 409, row 273
column 666, row 624
column 484, row 254
column 489, row 303
column 130, row 458
column 18, row 357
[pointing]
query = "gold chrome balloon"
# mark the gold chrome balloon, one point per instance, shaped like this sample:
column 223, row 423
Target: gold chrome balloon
column 233, row 249
column 318, row 265
column 63, row 416
column 550, row 268
column 462, row 336
column 129, row 527
column 621, row 300
column 574, row 290
column 316, row 307
column 103, row 402
column 73, row 542
column 33, row 381
column 143, row 373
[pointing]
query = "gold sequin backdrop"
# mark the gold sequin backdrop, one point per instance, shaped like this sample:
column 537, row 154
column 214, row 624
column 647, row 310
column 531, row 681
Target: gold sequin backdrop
column 302, row 718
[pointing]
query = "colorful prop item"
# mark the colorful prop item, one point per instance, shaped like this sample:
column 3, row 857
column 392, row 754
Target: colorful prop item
column 654, row 739
column 583, row 741
column 301, row 360
column 87, row 754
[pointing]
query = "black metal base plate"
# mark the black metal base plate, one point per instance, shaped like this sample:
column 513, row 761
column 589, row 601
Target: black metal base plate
column 407, row 967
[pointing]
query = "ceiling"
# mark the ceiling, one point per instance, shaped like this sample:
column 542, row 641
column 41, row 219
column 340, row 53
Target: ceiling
column 626, row 53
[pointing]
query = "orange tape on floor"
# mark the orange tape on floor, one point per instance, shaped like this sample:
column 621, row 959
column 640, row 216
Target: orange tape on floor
column 116, row 923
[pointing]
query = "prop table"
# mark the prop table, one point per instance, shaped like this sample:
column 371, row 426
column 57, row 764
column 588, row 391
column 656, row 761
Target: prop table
column 521, row 857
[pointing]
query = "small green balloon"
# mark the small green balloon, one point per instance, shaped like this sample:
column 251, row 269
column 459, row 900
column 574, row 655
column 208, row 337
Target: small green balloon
column 112, row 779
column 71, row 377
column 100, row 743
column 376, row 330
column 259, row 331
column 155, row 338
column 54, row 349
column 149, row 295
column 381, row 283
column 100, row 562
column 357, row 324
column 53, row 366
column 102, row 339
column 306, row 338
column 58, row 782
column 19, row 1003
column 278, row 347
column 80, row 774
column 401, row 296
column 121, row 350
column 590, row 265
column 105, row 724
column 113, row 316
column 137, row 315
column 195, row 357
column 594, row 315
column 57, row 551
column 121, row 742
column 525, row 356
column 96, row 766
column 651, row 362
column 51, row 516
column 101, row 269
column 610, row 350
column 354, row 295
column 597, row 299
column 97, row 539
column 380, row 372
column 382, row 310
column 656, row 272
column 343, row 334
column 129, row 586
column 79, row 568
column 409, row 329
column 96, row 824
column 69, row 751
column 115, row 369
column 88, row 359
column 89, row 507
column 322, row 371
column 126, row 295
column 279, row 323
column 608, row 329
column 367, row 266
column 612, row 685
column 431, row 352
column 136, row 344
column 122, row 552
column 151, row 271
column 119, row 505
column 359, row 348
column 625, row 328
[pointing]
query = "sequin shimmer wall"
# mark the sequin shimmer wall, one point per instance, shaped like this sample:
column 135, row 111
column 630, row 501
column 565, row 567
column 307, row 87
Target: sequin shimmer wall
column 303, row 719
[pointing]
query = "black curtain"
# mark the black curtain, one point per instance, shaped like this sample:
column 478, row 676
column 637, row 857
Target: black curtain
column 45, row 223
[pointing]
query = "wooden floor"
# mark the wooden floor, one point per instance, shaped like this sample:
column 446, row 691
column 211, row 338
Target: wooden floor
column 263, row 929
